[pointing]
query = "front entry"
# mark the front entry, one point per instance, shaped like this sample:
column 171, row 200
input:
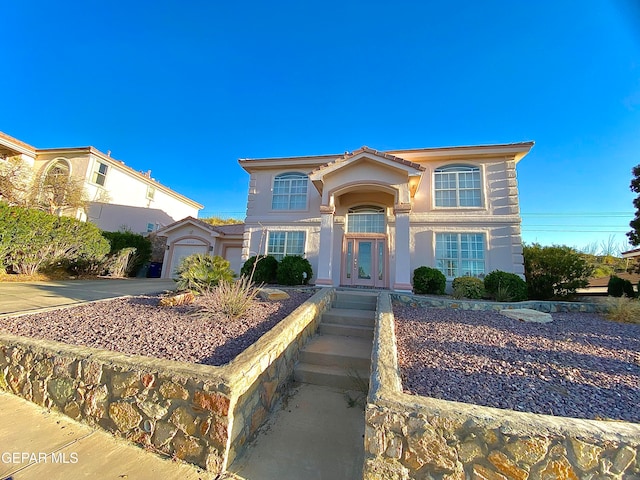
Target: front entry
column 364, row 261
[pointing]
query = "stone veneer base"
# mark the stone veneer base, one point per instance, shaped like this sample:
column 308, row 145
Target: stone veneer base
column 414, row 437
column 201, row 414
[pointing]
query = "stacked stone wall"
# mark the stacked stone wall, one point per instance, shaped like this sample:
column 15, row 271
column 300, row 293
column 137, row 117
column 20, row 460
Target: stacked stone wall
column 540, row 305
column 413, row 437
column 197, row 413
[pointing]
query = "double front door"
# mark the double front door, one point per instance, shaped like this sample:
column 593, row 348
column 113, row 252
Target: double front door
column 364, row 261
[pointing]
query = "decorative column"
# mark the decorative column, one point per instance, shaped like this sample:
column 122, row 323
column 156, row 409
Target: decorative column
column 402, row 281
column 325, row 254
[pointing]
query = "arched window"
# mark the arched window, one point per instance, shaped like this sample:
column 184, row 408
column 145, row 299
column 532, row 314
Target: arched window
column 366, row 219
column 289, row 192
column 55, row 183
column 457, row 186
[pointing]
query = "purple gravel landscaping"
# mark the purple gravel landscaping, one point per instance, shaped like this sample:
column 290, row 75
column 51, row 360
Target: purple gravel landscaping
column 580, row 365
column 138, row 326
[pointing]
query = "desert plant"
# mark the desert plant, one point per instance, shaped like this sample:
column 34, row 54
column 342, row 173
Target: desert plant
column 623, row 309
column 500, row 285
column 263, row 270
column 427, row 280
column 126, row 239
column 555, row 271
column 119, row 263
column 201, row 272
column 468, row 287
column 294, row 270
column 229, row 298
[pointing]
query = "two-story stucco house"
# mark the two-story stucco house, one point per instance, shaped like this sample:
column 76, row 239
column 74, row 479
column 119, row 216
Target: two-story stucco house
column 369, row 218
column 118, row 195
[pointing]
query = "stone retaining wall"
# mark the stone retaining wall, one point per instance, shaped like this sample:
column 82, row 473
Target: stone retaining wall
column 413, row 437
column 540, row 305
column 198, row 413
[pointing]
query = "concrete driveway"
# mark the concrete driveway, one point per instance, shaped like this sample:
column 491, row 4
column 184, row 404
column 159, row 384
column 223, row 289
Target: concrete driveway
column 34, row 296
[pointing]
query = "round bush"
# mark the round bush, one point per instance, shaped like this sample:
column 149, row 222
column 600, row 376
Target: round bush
column 266, row 269
column 429, row 280
column 617, row 287
column 505, row 286
column 468, row 287
column 294, row 270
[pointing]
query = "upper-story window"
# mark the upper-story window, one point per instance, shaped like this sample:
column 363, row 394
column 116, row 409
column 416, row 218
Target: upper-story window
column 151, row 192
column 100, row 173
column 458, row 186
column 289, row 192
column 366, row 219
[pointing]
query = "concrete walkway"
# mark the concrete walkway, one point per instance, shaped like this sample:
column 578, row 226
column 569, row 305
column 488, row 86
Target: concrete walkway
column 37, row 444
column 23, row 297
column 314, row 435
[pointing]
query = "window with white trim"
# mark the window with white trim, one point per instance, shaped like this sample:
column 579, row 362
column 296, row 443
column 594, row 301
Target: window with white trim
column 289, row 192
column 457, row 186
column 100, row 173
column 281, row 244
column 151, row 192
column 460, row 254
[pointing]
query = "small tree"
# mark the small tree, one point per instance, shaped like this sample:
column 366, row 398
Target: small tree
column 634, row 234
column 556, row 271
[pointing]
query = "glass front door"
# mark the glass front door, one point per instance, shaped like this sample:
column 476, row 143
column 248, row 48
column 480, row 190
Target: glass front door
column 364, row 262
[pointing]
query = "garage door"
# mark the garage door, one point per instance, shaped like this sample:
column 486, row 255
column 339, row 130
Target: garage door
column 182, row 251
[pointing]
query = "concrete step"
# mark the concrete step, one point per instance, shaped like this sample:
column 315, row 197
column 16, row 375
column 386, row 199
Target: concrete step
column 331, row 376
column 356, row 300
column 338, row 351
column 345, row 330
column 347, row 316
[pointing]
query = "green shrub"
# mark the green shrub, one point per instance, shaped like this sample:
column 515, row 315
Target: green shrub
column 32, row 239
column 554, row 272
column 294, row 270
column 231, row 299
column 617, row 287
column 429, row 280
column 623, row 309
column 505, row 286
column 201, row 272
column 121, row 240
column 265, row 269
column 468, row 287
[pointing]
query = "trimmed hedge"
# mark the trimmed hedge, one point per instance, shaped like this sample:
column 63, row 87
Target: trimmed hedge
column 505, row 286
column 265, row 271
column 294, row 270
column 468, row 287
column 121, row 240
column 32, row 239
column 427, row 280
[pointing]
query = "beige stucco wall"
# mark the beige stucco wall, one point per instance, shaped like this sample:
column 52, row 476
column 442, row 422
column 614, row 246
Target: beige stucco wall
column 366, row 181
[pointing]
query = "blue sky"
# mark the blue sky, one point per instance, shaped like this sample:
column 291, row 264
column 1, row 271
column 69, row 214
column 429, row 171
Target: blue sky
column 186, row 88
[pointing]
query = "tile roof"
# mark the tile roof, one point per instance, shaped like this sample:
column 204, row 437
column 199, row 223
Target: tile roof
column 378, row 153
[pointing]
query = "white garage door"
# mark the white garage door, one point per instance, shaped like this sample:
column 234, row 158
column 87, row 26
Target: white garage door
column 182, row 251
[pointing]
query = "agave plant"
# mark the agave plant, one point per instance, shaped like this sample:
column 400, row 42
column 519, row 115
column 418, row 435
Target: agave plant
column 201, row 272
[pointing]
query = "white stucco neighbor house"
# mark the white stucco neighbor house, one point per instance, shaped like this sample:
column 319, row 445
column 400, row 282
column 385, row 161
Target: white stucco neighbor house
column 369, row 218
column 119, row 196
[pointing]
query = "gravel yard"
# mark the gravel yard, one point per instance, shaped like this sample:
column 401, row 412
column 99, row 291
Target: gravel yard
column 138, row 326
column 580, row 365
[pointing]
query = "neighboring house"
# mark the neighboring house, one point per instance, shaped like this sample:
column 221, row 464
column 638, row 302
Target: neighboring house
column 190, row 236
column 118, row 195
column 369, row 218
